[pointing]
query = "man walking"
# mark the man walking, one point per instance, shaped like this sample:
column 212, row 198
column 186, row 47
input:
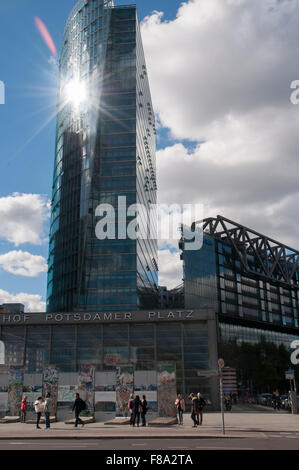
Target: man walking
column 194, row 409
column 200, row 405
column 78, row 406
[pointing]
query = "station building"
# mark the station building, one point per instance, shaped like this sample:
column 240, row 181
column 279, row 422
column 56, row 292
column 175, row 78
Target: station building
column 107, row 340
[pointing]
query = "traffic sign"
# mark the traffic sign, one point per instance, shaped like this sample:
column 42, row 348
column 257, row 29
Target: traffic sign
column 289, row 375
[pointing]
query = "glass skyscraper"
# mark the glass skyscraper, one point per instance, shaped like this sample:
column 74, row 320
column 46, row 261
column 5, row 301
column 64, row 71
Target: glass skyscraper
column 105, row 154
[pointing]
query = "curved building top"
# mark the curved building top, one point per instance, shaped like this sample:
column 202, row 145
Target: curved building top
column 82, row 32
column 85, row 3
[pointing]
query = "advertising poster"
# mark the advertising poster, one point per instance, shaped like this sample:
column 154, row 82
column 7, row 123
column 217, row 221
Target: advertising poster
column 86, row 386
column 15, row 391
column 166, row 388
column 50, row 384
column 124, row 388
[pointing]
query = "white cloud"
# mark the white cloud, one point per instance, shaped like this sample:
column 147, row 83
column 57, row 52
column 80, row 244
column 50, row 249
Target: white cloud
column 32, row 302
column 221, row 59
column 23, row 263
column 220, row 75
column 22, row 218
column 170, row 268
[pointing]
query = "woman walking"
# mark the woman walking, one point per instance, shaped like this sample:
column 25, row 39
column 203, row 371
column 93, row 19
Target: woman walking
column 180, row 406
column 24, row 406
column 143, row 405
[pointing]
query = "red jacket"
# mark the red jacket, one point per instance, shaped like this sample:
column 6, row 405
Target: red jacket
column 24, row 405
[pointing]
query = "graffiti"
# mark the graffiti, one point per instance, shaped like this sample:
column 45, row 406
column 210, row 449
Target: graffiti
column 86, row 386
column 32, row 396
column 51, row 374
column 66, row 393
column 15, row 391
column 295, row 354
column 124, row 388
column 50, row 385
column 166, row 386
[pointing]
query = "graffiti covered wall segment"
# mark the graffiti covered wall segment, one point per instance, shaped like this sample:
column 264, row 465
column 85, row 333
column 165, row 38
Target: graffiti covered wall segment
column 15, row 391
column 124, row 388
column 50, row 385
column 166, row 387
column 86, row 386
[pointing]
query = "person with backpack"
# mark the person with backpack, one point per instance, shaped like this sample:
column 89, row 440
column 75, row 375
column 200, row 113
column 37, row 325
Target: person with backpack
column 131, row 408
column 143, row 406
column 79, row 405
column 200, row 405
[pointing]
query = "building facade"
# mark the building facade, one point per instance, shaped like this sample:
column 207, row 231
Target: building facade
column 249, row 279
column 105, row 157
column 106, row 340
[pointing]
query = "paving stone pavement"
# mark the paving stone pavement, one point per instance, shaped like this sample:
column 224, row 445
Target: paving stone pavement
column 236, row 425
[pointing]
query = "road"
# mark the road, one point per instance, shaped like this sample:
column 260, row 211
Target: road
column 268, row 441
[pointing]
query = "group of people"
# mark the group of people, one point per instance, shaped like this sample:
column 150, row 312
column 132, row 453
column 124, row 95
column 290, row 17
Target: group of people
column 42, row 405
column 137, row 408
column 197, row 406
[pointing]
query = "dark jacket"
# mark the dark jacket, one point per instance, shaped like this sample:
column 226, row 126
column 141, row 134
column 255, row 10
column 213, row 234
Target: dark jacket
column 78, row 405
column 194, row 405
column 137, row 404
column 200, row 403
column 143, row 405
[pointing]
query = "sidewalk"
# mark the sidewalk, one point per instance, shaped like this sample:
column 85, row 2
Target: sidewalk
column 237, row 425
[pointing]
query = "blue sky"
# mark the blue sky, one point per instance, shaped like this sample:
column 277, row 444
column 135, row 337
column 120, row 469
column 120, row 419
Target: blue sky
column 27, row 130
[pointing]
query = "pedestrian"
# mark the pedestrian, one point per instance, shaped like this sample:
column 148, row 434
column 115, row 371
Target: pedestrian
column 47, row 407
column 78, row 406
column 143, row 405
column 180, row 406
column 38, row 407
column 131, row 408
column 200, row 405
column 276, row 402
column 194, row 409
column 136, row 410
column 24, row 406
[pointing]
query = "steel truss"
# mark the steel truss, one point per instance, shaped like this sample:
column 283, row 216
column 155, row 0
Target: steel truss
column 272, row 259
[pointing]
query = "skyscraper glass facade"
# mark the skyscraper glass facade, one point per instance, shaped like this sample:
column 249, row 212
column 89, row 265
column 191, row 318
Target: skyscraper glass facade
column 105, row 154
